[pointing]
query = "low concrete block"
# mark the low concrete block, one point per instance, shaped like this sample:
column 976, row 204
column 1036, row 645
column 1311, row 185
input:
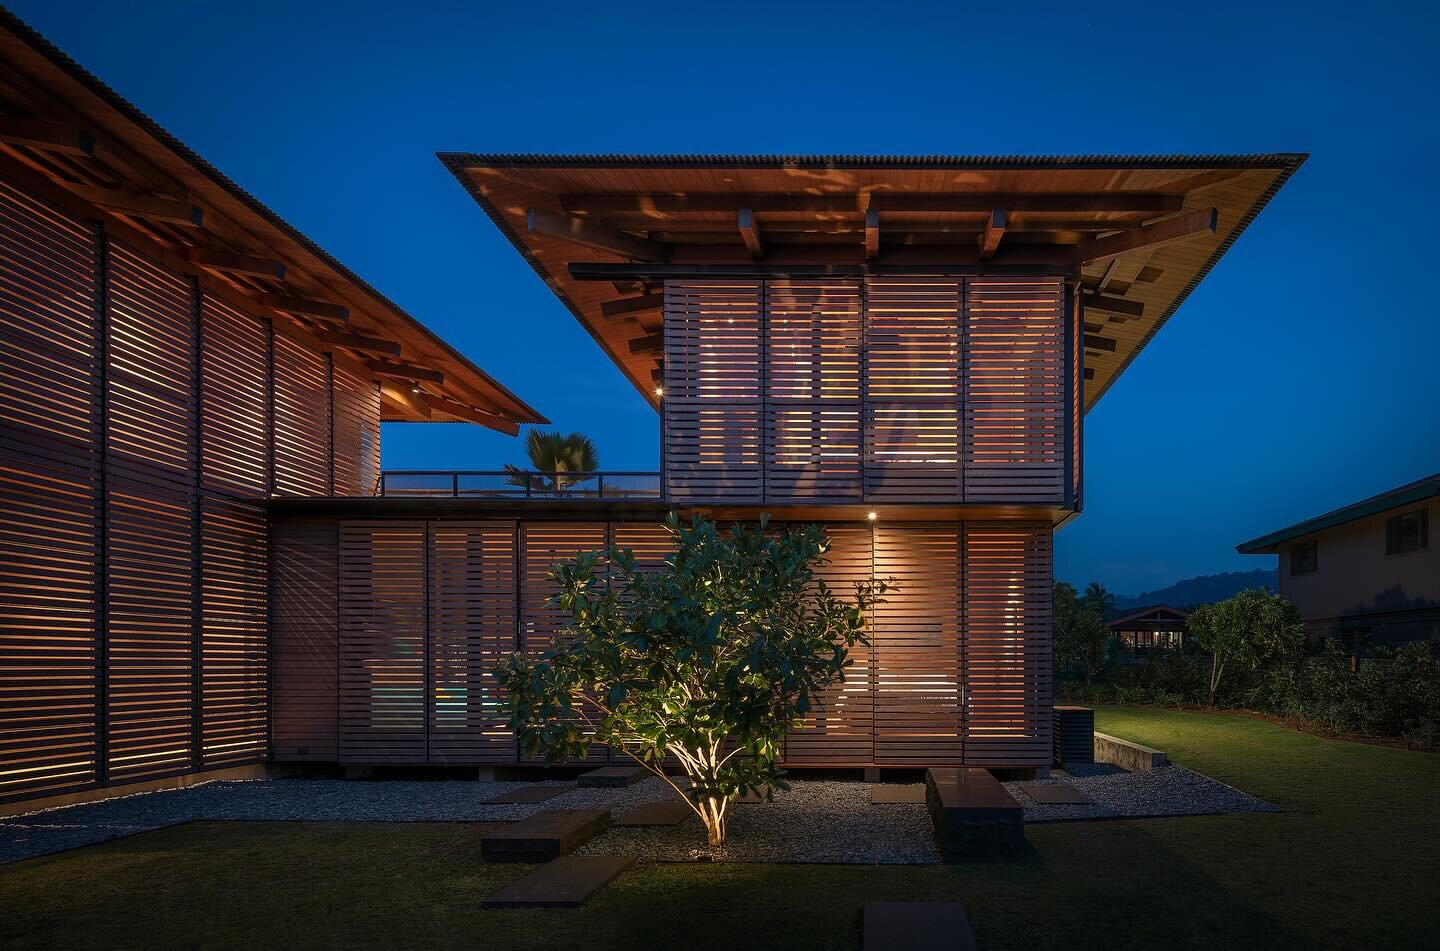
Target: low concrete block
column 544, row 836
column 972, row 814
column 564, row 883
column 885, row 794
column 1127, row 755
column 916, row 926
column 614, row 777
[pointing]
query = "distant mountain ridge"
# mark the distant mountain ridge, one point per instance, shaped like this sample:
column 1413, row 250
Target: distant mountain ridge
column 1201, row 590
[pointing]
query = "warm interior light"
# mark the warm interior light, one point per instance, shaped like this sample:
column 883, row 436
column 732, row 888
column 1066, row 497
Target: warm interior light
column 871, row 516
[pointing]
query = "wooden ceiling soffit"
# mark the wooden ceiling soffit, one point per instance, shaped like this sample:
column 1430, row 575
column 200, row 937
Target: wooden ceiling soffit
column 140, row 205
column 406, row 399
column 60, row 137
column 1177, row 228
column 579, row 231
column 1094, row 342
column 632, row 306
column 472, row 414
column 1113, row 305
column 982, row 202
column 360, row 342
column 651, row 343
column 406, row 371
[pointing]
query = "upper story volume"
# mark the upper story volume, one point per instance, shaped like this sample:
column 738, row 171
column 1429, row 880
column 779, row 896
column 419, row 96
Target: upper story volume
column 828, row 331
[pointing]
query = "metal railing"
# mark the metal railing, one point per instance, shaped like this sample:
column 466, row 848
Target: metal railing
column 491, row 484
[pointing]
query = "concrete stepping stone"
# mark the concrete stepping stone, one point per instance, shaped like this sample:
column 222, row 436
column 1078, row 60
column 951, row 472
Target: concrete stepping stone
column 1055, row 794
column 614, row 777
column 546, row 835
column 885, row 794
column 524, row 794
column 916, row 926
column 671, row 812
column 564, row 883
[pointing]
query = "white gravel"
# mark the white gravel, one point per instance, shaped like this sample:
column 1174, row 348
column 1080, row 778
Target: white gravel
column 817, row 821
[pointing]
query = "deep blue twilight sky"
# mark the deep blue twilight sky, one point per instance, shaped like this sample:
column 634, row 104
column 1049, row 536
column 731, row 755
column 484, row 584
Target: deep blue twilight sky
column 1301, row 375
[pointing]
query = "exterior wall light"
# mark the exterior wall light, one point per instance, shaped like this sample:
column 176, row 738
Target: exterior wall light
column 871, row 516
column 659, row 391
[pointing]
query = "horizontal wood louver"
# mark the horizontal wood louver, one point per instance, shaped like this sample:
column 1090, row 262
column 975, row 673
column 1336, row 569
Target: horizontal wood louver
column 650, row 544
column 542, row 545
column 840, row 727
column 912, row 389
column 1015, row 411
column 383, row 642
column 1007, row 644
column 917, row 646
column 234, row 395
column 713, row 411
column 812, row 391
column 150, row 378
column 301, row 419
column 304, row 640
column 356, row 401
column 1075, row 358
column 233, row 652
column 472, row 627
column 150, row 631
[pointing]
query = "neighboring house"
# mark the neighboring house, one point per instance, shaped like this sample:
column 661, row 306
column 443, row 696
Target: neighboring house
column 196, row 575
column 1369, row 571
column 1148, row 630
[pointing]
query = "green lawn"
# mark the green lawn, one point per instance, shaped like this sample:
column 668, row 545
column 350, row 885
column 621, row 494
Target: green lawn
column 1352, row 862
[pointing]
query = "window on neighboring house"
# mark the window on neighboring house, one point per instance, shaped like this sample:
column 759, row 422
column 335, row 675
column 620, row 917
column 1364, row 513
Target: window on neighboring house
column 1408, row 532
column 1304, row 558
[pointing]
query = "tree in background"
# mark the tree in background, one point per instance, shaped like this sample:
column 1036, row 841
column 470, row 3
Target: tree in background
column 1250, row 630
column 1100, row 599
column 711, row 659
column 1079, row 634
column 552, row 454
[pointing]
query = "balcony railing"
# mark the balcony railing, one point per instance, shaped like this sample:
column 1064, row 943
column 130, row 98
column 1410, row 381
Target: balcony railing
column 569, row 486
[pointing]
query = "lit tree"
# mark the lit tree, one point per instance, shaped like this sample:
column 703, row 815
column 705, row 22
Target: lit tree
column 710, row 659
column 1251, row 629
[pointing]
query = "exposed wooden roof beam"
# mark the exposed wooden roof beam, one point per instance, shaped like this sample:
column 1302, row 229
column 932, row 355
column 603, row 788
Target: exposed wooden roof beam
column 472, row 414
column 745, row 219
column 1087, row 203
column 1177, row 228
column 63, row 137
column 1113, row 305
column 872, row 233
column 141, row 206
column 591, row 235
column 406, row 371
column 651, row 343
column 402, row 396
column 1093, row 342
column 1101, row 202
column 213, row 259
column 994, row 231
column 631, row 306
column 1089, row 373
column 304, row 306
column 360, row 342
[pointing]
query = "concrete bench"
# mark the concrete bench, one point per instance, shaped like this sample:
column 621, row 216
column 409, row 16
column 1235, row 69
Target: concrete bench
column 1127, row 755
column 544, row 836
column 972, row 813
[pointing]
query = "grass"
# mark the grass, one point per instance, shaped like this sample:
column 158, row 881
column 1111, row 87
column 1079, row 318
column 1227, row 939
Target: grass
column 1349, row 863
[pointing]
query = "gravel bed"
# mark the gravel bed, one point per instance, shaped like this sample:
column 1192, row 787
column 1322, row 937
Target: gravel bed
column 817, row 821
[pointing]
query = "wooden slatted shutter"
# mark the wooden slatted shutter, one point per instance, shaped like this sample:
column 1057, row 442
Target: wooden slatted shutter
column 917, row 640
column 543, row 544
column 839, row 731
column 301, row 419
column 1015, row 408
column 472, row 628
column 713, row 411
column 1075, row 357
column 304, row 640
column 912, row 382
column 1007, row 644
column 812, row 391
column 233, row 648
column 150, row 528
column 49, row 485
column 383, row 673
column 357, row 432
column 234, row 392
column 651, row 544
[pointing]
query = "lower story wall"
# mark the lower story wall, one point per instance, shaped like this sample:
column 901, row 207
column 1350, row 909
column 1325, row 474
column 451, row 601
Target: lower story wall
column 385, row 635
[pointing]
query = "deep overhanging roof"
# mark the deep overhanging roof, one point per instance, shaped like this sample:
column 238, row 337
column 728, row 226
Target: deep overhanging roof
column 132, row 159
column 1408, row 494
column 572, row 215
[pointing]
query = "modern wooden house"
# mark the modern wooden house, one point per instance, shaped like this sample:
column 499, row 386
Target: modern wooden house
column 197, row 572
column 1366, row 572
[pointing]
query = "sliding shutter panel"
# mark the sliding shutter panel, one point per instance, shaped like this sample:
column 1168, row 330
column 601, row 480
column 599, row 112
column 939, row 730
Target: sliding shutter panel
column 304, row 640
column 301, row 419
column 49, row 485
column 1015, row 391
column 472, row 628
column 1007, row 644
column 357, row 432
column 912, row 379
column 382, row 642
column 812, row 373
column 233, row 652
column 712, row 405
column 234, row 395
